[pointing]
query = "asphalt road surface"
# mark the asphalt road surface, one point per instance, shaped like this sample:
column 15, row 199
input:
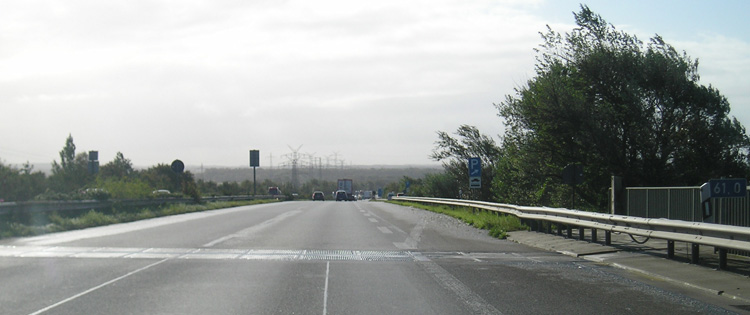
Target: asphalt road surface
column 310, row 257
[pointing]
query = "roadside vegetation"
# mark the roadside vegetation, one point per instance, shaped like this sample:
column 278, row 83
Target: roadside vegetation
column 603, row 101
column 58, row 222
column 497, row 225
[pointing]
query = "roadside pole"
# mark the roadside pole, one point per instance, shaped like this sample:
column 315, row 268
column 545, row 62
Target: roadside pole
column 254, row 162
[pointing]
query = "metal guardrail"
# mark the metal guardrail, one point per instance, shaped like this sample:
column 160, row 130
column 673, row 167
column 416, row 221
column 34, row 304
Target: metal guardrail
column 722, row 237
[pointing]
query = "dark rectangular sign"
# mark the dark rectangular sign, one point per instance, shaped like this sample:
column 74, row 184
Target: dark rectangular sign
column 254, row 158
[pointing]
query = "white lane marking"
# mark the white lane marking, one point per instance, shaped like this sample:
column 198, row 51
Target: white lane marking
column 476, row 303
column 205, row 253
column 415, row 235
column 373, row 220
column 385, row 230
column 467, row 255
column 254, row 228
column 325, row 289
column 96, row 288
column 529, row 258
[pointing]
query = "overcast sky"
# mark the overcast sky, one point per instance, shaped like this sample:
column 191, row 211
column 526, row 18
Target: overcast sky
column 365, row 82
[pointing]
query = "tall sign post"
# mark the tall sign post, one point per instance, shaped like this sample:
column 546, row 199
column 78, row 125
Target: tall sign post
column 93, row 162
column 254, row 162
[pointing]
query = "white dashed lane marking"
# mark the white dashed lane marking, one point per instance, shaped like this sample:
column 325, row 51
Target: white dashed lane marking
column 385, row 230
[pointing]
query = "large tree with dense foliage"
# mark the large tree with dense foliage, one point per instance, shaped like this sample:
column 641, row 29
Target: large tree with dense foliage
column 606, row 100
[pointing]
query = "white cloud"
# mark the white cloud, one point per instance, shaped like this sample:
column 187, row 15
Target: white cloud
column 205, row 81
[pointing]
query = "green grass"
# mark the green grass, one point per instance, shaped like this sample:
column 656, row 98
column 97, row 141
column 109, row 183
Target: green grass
column 497, row 225
column 58, row 223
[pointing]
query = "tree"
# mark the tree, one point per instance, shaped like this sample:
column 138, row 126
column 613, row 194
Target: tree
column 161, row 176
column 20, row 184
column 72, row 171
column 120, row 167
column 455, row 154
column 603, row 99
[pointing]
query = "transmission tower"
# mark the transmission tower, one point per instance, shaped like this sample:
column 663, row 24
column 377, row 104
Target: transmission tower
column 294, row 159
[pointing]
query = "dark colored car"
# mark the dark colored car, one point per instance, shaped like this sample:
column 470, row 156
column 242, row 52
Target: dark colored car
column 318, row 195
column 341, row 195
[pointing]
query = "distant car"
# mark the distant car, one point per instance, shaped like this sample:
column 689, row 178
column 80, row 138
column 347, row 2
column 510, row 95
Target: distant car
column 273, row 191
column 341, row 195
column 351, row 197
column 161, row 192
column 318, row 195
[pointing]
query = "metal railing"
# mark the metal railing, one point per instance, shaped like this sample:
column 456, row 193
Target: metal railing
column 684, row 203
column 722, row 237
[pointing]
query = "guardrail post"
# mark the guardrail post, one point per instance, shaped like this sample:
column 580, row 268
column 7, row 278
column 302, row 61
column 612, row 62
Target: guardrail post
column 581, row 234
column 549, row 227
column 695, row 254
column 670, row 249
column 559, row 230
column 607, row 238
column 722, row 259
column 593, row 235
column 570, row 231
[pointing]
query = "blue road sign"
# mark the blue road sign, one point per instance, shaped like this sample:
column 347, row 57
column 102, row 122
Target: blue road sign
column 475, row 173
column 475, row 167
column 727, row 188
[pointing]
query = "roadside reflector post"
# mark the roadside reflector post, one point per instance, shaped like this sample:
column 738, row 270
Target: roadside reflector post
column 695, row 253
column 608, row 239
column 722, row 259
column 670, row 249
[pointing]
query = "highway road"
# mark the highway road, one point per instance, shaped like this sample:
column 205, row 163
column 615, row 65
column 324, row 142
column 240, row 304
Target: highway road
column 306, row 257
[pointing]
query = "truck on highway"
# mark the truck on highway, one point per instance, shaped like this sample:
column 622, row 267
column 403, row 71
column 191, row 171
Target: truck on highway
column 346, row 185
column 367, row 194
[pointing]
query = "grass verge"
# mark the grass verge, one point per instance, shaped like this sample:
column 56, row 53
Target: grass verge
column 498, row 225
column 54, row 222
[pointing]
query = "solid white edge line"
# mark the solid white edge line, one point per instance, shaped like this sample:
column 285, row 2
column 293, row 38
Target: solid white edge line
column 96, row 288
column 325, row 289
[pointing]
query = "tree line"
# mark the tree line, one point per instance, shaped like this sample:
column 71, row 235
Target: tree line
column 72, row 179
column 604, row 100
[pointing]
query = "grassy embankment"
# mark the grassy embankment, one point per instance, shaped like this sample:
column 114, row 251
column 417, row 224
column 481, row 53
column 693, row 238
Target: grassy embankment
column 54, row 222
column 498, row 225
